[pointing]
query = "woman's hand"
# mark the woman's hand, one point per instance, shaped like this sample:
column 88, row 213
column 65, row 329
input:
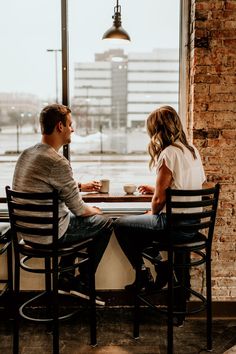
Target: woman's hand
column 93, row 186
column 146, row 189
column 148, row 212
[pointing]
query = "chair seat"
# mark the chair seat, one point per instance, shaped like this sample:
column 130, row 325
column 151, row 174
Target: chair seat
column 199, row 240
column 42, row 250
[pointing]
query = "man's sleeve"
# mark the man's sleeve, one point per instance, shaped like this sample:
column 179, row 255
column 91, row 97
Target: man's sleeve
column 61, row 178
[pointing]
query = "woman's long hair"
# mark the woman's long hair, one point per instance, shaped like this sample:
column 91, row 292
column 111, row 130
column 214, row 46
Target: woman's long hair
column 164, row 127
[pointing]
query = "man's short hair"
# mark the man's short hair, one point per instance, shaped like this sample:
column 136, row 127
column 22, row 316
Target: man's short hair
column 51, row 115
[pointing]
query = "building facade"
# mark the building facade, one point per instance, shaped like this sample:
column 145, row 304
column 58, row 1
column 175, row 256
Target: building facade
column 152, row 81
column 120, row 90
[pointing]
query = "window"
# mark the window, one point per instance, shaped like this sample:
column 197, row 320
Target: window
column 113, row 86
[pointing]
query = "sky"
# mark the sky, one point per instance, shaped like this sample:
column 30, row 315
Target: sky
column 29, row 27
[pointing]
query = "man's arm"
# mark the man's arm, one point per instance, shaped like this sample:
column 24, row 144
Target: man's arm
column 89, row 210
column 61, row 178
column 93, row 186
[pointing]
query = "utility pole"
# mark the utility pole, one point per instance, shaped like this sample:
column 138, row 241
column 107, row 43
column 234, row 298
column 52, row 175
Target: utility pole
column 55, row 51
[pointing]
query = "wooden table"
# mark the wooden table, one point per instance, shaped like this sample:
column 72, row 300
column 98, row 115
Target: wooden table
column 116, row 198
column 102, row 198
column 109, row 198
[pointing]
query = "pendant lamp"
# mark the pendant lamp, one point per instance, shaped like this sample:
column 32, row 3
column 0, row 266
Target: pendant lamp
column 116, row 31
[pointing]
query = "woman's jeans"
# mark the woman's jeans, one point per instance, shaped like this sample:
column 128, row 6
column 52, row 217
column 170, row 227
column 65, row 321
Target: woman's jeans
column 97, row 227
column 134, row 233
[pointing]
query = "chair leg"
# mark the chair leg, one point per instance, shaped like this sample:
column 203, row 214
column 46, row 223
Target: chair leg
column 16, row 305
column 92, row 295
column 55, row 307
column 9, row 268
column 48, row 284
column 209, row 301
column 137, row 303
column 48, row 288
column 170, row 299
column 10, row 279
column 180, row 295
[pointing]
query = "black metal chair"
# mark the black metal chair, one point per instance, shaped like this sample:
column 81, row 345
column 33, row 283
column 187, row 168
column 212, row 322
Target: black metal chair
column 182, row 255
column 36, row 215
column 6, row 247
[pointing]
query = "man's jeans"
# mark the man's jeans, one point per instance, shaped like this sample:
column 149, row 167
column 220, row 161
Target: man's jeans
column 97, row 227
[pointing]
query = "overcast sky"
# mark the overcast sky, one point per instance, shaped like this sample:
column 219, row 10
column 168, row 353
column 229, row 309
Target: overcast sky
column 29, row 27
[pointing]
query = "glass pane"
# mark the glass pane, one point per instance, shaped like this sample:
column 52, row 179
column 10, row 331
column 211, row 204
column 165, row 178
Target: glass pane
column 113, row 84
column 116, row 84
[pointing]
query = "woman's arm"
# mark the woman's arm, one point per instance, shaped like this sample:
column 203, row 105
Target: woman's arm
column 163, row 181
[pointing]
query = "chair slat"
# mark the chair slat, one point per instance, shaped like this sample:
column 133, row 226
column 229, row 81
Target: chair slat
column 193, row 216
column 32, row 207
column 192, row 204
column 195, row 192
column 34, row 219
column 30, row 231
column 32, row 196
column 192, row 227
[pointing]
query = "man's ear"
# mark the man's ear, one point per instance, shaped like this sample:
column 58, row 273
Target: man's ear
column 59, row 126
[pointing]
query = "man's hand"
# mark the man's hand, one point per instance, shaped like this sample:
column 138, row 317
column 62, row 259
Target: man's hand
column 93, row 186
column 146, row 189
column 89, row 211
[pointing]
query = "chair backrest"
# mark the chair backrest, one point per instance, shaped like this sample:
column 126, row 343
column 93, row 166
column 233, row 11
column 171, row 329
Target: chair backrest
column 33, row 216
column 201, row 208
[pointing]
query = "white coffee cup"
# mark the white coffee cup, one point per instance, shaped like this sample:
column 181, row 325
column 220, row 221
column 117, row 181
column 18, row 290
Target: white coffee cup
column 129, row 188
column 105, row 184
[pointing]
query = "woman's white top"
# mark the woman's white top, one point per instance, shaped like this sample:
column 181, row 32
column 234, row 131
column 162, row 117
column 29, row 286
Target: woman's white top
column 187, row 172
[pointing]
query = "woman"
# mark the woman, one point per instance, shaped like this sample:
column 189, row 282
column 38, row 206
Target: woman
column 178, row 165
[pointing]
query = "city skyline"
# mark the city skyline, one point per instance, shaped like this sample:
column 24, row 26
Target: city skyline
column 32, row 27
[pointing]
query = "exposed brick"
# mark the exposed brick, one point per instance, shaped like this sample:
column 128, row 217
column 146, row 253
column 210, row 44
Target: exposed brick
column 229, row 15
column 203, row 134
column 230, row 42
column 228, row 282
column 220, row 97
column 210, row 79
column 230, row 5
column 202, row 42
column 228, row 79
column 202, row 89
column 212, row 104
column 208, row 5
column 230, row 24
column 201, row 15
column 229, row 134
column 214, row 88
column 221, row 106
column 223, row 33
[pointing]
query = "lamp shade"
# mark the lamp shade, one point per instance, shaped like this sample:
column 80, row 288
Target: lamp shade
column 116, row 31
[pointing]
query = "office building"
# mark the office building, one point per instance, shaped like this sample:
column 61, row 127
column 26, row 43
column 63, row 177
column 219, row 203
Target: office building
column 119, row 90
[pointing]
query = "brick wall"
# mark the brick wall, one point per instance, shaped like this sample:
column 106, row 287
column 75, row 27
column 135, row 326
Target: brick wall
column 212, row 120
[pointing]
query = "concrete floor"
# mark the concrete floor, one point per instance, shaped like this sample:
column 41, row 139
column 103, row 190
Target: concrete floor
column 115, row 335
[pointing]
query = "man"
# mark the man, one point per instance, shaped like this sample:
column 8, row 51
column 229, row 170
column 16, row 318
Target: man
column 41, row 168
